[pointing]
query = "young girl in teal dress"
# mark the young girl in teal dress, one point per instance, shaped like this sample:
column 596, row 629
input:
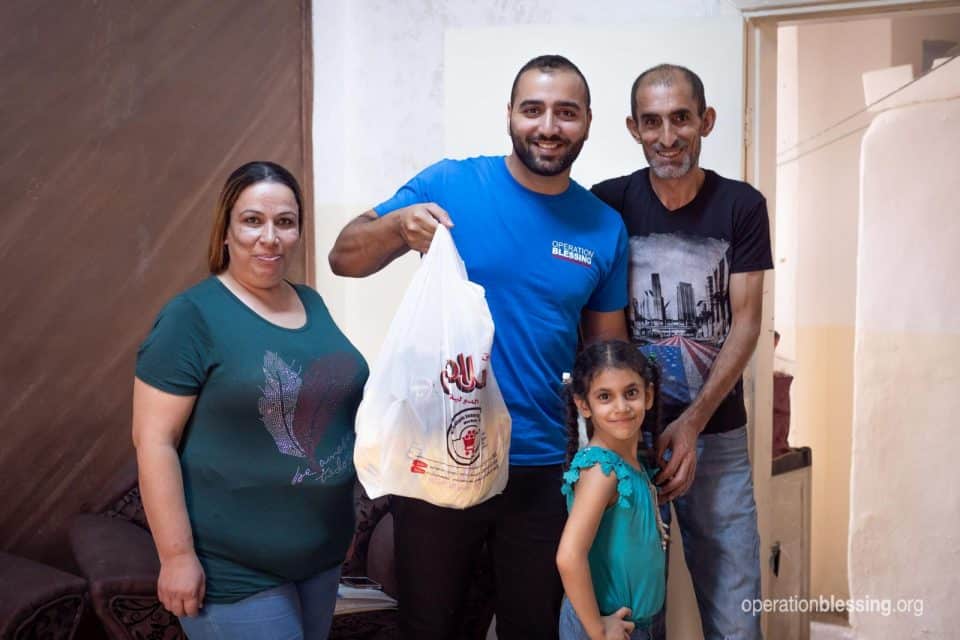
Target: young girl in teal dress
column 613, row 549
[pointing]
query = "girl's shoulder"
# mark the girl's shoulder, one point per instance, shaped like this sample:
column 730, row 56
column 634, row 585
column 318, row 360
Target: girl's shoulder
column 609, row 462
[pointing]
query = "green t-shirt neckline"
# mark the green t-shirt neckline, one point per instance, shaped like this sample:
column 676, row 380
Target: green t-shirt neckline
column 247, row 309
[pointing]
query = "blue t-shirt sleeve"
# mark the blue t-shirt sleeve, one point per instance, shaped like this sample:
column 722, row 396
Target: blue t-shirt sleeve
column 175, row 355
column 611, row 292
column 418, row 189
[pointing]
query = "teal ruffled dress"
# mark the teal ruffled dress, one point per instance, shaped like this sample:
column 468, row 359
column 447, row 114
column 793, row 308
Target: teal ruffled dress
column 628, row 555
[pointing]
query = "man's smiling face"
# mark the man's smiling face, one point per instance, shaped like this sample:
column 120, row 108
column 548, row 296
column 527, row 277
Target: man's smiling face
column 549, row 120
column 669, row 127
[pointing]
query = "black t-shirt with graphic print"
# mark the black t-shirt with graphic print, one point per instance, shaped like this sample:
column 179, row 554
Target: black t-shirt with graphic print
column 679, row 276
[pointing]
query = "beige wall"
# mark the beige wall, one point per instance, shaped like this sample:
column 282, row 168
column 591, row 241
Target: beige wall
column 905, row 524
column 785, row 229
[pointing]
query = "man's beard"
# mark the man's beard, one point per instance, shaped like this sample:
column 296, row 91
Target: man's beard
column 664, row 169
column 524, row 150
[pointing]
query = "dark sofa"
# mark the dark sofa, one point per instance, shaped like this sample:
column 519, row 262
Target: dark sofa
column 115, row 551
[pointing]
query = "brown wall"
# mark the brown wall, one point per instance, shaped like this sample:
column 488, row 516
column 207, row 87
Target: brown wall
column 119, row 122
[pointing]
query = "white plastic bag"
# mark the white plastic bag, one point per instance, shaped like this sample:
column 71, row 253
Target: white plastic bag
column 432, row 424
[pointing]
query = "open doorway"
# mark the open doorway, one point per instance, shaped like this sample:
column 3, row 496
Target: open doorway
column 821, row 118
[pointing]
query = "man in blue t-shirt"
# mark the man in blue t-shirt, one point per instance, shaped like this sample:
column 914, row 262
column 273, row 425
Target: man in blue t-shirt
column 699, row 244
column 552, row 258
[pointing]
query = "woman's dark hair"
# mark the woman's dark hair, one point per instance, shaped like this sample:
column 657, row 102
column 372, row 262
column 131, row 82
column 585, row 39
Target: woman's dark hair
column 611, row 354
column 249, row 174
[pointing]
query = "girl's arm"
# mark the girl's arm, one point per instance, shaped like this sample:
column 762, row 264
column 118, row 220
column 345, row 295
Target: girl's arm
column 158, row 421
column 593, row 493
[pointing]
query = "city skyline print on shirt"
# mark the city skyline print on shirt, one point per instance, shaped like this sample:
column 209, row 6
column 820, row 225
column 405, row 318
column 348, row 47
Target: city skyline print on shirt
column 678, row 308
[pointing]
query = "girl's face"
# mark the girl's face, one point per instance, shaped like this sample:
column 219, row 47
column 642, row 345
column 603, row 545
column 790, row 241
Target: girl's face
column 616, row 403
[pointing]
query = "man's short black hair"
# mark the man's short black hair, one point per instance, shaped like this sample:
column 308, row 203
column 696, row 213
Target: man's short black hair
column 549, row 64
column 664, row 74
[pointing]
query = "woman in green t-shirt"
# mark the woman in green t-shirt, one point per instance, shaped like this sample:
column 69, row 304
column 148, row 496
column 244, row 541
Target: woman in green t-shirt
column 243, row 408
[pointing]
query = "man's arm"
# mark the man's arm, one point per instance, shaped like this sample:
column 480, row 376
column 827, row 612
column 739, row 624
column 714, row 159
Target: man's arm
column 598, row 326
column 746, row 297
column 370, row 242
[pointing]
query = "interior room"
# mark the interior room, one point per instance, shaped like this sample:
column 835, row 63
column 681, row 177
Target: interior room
column 119, row 123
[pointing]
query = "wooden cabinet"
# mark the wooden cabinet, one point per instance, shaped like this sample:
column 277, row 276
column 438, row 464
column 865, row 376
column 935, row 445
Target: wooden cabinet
column 789, row 552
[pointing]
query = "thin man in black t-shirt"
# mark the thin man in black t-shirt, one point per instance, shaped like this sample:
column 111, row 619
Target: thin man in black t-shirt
column 699, row 244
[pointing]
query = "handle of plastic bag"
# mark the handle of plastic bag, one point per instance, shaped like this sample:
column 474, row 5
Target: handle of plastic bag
column 443, row 251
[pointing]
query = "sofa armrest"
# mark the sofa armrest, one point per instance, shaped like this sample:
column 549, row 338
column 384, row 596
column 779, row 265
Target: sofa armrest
column 122, row 566
column 37, row 600
column 115, row 552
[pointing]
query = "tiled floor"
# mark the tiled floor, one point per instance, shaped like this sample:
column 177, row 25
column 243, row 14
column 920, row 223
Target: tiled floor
column 825, row 631
column 818, row 631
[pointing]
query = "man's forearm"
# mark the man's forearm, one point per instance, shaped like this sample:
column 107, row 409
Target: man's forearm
column 366, row 245
column 726, row 370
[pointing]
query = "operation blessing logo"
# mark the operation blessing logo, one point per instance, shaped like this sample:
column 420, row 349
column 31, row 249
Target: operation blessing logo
column 572, row 253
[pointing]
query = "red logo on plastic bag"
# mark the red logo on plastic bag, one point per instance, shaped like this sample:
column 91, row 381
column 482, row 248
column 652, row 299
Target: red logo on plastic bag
column 465, row 436
column 460, row 372
column 418, row 466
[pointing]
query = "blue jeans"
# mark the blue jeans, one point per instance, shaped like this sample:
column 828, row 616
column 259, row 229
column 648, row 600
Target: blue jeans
column 721, row 544
column 293, row 611
column 572, row 629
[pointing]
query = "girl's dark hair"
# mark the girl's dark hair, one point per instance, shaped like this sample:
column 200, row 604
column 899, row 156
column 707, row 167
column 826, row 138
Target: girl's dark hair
column 244, row 176
column 611, row 354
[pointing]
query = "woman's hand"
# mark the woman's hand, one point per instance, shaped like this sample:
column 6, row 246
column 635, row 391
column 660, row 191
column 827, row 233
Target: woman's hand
column 182, row 584
column 615, row 627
